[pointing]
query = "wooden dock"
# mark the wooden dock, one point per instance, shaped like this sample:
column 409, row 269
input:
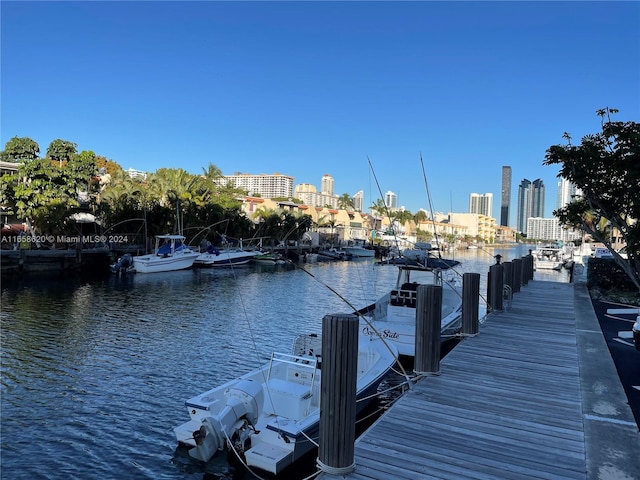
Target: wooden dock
column 509, row 403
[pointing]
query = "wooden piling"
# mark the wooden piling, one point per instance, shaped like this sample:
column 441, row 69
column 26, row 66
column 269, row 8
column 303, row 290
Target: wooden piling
column 508, row 274
column 428, row 328
column 517, row 275
column 527, row 262
column 496, row 278
column 470, row 303
column 338, row 393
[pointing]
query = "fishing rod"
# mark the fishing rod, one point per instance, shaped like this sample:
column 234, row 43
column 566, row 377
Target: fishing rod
column 433, row 220
column 386, row 207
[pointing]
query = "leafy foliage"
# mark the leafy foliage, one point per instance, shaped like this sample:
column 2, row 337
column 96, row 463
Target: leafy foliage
column 61, row 150
column 345, row 202
column 606, row 168
column 20, row 148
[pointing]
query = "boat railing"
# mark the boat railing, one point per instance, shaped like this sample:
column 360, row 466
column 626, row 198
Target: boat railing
column 301, row 369
column 292, row 390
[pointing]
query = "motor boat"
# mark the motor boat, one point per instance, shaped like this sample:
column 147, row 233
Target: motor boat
column 394, row 314
column 226, row 256
column 270, row 416
column 170, row 254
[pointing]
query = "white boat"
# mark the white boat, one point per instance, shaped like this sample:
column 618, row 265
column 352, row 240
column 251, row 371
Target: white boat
column 270, row 414
column 226, row 256
column 269, row 258
column 335, row 254
column 359, row 251
column 548, row 258
column 394, row 314
column 310, row 257
column 170, row 254
column 420, row 252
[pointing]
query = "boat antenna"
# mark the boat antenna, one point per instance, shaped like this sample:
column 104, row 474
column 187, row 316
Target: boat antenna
column 433, row 219
column 386, row 207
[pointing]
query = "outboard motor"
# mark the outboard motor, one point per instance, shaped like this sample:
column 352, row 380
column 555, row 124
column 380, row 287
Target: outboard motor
column 243, row 408
column 123, row 264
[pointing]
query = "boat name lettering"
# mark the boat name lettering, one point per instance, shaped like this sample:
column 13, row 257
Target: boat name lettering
column 385, row 333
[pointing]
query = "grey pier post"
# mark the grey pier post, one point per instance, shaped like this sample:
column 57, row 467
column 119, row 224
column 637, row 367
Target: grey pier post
column 470, row 303
column 336, row 451
column 428, row 327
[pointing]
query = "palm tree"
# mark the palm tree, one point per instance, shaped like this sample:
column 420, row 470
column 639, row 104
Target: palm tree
column 345, row 202
column 379, row 208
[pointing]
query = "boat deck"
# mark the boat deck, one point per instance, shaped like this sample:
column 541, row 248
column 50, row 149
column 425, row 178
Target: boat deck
column 535, row 395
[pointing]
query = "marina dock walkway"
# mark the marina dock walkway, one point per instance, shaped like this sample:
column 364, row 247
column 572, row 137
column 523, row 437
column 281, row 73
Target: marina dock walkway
column 535, row 395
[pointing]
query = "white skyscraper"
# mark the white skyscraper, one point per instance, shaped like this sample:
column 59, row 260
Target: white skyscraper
column 358, row 201
column 566, row 192
column 326, row 185
column 482, row 204
column 391, row 199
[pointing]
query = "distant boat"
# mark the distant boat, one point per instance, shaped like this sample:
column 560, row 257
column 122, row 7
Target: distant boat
column 335, row 254
column 225, row 257
column 170, row 254
column 360, row 251
column 269, row 259
column 548, row 257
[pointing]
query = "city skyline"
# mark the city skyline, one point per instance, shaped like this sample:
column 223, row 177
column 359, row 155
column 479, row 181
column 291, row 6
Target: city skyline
column 363, row 90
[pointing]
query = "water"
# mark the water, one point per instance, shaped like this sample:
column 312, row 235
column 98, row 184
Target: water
column 95, row 372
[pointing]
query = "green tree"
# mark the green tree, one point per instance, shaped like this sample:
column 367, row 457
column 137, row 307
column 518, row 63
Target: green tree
column 423, row 236
column 20, row 148
column 345, row 202
column 379, row 208
column 606, row 168
column 420, row 217
column 39, row 188
column 82, row 167
column 61, row 151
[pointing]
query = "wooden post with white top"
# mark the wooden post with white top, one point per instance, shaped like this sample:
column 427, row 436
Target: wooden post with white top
column 338, row 394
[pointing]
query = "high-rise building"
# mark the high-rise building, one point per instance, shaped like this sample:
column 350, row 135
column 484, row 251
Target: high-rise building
column 326, row 184
column 566, row 192
column 530, row 202
column 391, row 199
column 310, row 196
column 550, row 229
column 505, row 196
column 358, row 201
column 481, row 204
column 267, row 186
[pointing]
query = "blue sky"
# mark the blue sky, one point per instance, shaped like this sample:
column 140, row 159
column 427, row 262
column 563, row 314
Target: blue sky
column 308, row 88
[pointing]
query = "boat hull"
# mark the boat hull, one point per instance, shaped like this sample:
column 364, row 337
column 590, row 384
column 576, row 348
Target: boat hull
column 360, row 252
column 155, row 264
column 224, row 259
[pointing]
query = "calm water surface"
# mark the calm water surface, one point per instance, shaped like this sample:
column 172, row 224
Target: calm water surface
column 94, row 373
